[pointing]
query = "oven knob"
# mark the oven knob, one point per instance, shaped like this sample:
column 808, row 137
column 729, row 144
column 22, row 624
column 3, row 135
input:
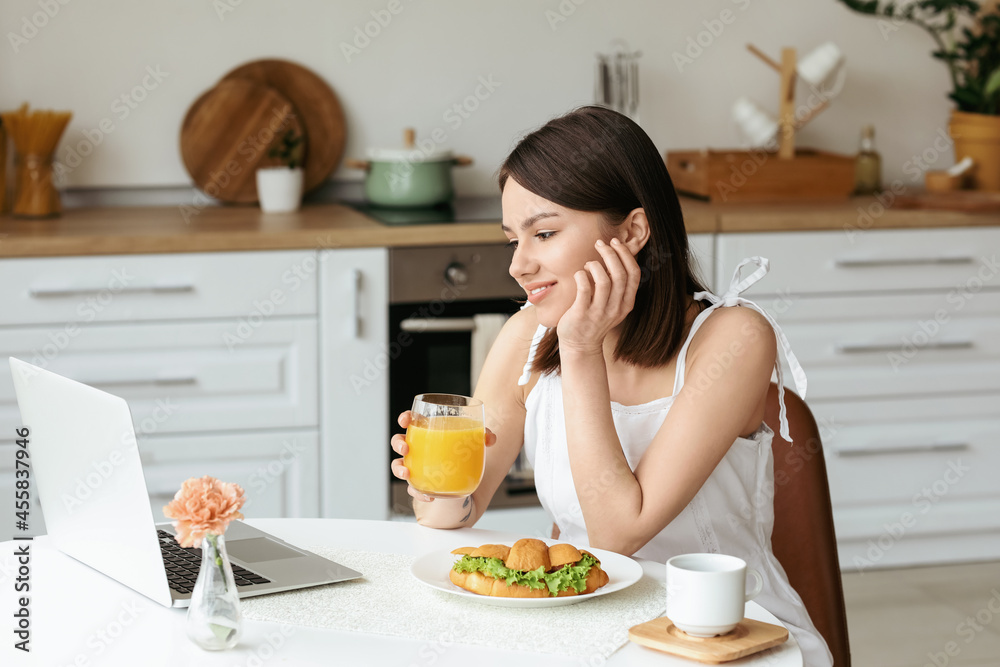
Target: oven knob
column 456, row 274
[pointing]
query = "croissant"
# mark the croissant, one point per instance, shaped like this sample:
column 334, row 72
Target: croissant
column 529, row 569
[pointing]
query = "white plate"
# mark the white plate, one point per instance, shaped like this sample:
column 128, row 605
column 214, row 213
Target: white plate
column 432, row 570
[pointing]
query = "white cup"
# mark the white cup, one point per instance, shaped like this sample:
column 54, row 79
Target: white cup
column 759, row 127
column 706, row 593
column 819, row 67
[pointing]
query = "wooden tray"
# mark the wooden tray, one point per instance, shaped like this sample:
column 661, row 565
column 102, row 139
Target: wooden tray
column 761, row 176
column 216, row 135
column 749, row 637
column 319, row 109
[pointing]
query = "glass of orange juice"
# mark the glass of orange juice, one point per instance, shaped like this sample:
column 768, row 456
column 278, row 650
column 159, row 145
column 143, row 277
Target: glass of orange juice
column 446, row 440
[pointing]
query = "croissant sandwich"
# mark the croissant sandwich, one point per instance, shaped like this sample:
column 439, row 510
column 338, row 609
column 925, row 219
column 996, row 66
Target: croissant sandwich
column 529, row 569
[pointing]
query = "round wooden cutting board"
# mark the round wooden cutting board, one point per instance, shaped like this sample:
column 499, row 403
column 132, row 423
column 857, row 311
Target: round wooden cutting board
column 321, row 113
column 228, row 133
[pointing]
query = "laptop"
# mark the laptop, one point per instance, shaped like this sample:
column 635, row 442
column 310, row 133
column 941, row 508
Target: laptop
column 89, row 480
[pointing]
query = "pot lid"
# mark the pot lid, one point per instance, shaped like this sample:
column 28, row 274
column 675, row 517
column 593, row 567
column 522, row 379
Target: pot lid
column 412, row 155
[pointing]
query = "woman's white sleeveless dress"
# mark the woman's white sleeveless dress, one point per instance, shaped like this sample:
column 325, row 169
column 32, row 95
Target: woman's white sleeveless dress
column 733, row 511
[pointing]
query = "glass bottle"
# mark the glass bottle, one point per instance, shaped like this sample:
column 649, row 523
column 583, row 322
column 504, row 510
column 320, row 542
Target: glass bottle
column 867, row 164
column 214, row 620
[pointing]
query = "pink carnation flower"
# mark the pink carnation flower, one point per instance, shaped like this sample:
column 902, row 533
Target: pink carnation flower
column 204, row 506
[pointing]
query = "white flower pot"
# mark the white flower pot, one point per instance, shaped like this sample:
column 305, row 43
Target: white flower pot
column 279, row 189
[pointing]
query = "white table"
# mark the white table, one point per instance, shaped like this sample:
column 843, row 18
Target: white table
column 82, row 618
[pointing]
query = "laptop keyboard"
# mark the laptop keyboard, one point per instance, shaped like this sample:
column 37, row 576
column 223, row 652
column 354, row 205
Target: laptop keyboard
column 182, row 566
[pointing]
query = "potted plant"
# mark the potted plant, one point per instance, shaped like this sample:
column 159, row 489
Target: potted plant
column 279, row 189
column 967, row 37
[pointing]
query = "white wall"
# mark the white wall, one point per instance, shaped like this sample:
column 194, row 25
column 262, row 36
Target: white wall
column 431, row 56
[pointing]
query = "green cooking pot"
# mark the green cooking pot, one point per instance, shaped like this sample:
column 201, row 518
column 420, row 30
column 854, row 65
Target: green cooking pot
column 409, row 177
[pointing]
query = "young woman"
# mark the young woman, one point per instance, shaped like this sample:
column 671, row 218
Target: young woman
column 637, row 394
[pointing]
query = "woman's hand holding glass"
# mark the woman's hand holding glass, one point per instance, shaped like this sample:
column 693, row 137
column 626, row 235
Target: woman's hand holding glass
column 605, row 294
column 443, row 449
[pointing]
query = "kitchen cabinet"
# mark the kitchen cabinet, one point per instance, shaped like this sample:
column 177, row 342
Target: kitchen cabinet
column 899, row 334
column 216, row 353
column 184, row 377
column 354, row 379
column 277, row 470
column 163, row 287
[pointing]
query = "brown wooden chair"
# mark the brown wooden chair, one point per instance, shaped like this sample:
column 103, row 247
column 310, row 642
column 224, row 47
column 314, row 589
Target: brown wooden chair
column 803, row 539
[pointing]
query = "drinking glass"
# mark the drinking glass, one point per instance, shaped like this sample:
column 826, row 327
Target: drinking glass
column 447, row 440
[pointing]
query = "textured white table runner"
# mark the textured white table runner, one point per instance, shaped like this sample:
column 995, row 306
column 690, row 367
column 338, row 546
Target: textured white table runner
column 390, row 601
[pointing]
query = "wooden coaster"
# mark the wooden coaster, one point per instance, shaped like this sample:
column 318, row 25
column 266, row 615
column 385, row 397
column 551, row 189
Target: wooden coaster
column 748, row 637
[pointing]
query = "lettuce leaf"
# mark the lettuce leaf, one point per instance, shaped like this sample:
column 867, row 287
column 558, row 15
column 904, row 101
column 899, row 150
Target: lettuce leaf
column 569, row 576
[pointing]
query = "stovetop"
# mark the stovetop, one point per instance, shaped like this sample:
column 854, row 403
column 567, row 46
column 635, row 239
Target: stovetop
column 460, row 210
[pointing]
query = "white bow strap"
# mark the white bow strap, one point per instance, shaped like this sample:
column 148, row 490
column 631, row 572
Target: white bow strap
column 732, row 298
column 535, row 340
column 737, row 286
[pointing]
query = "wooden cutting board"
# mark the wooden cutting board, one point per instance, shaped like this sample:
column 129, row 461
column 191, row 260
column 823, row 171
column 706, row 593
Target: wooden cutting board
column 969, row 201
column 319, row 109
column 228, row 133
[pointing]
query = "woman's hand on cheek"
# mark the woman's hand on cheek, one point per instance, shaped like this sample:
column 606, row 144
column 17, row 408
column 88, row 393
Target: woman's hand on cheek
column 605, row 294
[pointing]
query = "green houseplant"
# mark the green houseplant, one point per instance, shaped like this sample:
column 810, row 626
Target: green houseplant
column 967, row 40
column 289, row 151
column 279, row 189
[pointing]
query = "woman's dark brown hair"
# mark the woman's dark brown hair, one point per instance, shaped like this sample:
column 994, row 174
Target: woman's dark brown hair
column 597, row 160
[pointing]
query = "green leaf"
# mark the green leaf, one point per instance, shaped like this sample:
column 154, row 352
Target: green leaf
column 992, row 84
column 967, row 100
column 570, row 576
column 221, row 632
column 863, row 7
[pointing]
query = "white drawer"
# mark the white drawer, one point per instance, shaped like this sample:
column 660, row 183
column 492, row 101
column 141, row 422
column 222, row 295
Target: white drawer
column 75, row 291
column 183, row 377
column 917, row 462
column 789, row 307
column 279, row 471
column 945, row 521
column 832, row 415
column 875, row 261
column 897, row 357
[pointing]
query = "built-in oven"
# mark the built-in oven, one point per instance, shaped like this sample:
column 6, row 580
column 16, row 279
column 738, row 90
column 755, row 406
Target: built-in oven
column 446, row 304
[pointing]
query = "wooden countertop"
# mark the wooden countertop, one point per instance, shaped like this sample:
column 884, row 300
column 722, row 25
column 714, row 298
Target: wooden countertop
column 854, row 214
column 161, row 229
column 128, row 230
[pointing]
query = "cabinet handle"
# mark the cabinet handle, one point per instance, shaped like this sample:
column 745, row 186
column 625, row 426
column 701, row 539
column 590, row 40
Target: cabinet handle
column 909, row 449
column 430, row 324
column 857, row 348
column 900, row 261
column 60, row 292
column 354, row 321
column 139, row 382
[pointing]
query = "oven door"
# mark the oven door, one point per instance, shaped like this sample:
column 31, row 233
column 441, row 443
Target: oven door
column 431, row 350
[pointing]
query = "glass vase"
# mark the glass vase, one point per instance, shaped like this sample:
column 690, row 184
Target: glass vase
column 214, row 621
